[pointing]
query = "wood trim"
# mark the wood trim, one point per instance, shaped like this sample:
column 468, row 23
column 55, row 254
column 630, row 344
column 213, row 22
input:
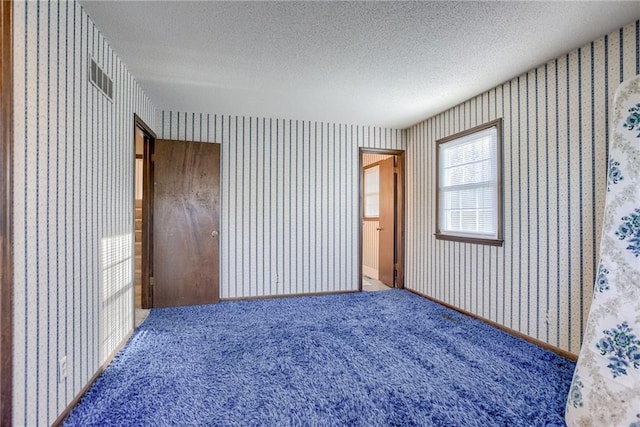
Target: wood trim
column 101, row 369
column 517, row 334
column 263, row 297
column 6, row 214
column 137, row 121
column 464, row 239
column 146, row 294
column 371, row 218
column 360, row 215
column 500, row 163
column 497, row 122
column 498, row 241
column 372, row 165
column 147, row 211
column 400, row 232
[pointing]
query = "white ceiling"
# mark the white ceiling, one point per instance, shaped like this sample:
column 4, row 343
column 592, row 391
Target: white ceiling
column 369, row 63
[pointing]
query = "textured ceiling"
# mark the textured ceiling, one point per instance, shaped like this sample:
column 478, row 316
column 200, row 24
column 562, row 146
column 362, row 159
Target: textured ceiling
column 371, row 63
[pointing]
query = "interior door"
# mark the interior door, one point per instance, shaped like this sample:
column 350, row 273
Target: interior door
column 186, row 208
column 386, row 223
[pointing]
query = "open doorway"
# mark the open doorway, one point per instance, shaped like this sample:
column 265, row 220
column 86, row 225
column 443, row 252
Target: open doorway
column 144, row 142
column 382, row 214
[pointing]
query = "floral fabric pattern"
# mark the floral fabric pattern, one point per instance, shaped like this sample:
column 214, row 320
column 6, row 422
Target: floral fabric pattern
column 602, row 283
column 606, row 385
column 575, row 395
column 620, row 345
column 630, row 230
column 633, row 121
column 615, row 175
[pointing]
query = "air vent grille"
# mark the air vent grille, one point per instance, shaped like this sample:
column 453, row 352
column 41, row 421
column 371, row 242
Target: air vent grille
column 100, row 79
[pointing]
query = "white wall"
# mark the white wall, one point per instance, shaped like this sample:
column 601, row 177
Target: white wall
column 556, row 127
column 73, row 206
column 289, row 196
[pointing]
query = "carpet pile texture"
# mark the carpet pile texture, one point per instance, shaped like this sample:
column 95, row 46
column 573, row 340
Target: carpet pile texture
column 367, row 359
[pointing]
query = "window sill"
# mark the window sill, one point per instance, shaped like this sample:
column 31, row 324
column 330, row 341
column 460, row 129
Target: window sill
column 465, row 239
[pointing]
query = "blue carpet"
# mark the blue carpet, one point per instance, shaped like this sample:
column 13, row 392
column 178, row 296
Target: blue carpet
column 368, row 359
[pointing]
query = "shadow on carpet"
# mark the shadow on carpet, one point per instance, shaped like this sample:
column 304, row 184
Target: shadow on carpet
column 370, row 359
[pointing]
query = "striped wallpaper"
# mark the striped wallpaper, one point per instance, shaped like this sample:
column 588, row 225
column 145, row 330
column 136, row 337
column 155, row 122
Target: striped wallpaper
column 556, row 126
column 73, row 206
column 289, row 199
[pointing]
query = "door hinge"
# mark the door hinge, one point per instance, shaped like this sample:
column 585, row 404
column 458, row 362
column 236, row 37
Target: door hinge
column 395, row 267
column 153, row 158
column 152, row 281
column 395, row 169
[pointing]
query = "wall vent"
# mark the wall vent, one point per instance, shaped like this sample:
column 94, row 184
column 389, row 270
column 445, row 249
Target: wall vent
column 100, row 79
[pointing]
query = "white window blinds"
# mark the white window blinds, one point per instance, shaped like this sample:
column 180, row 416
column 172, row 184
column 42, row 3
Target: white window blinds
column 468, row 184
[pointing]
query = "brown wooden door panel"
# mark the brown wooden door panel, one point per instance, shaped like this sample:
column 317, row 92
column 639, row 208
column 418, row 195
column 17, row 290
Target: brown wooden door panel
column 186, row 223
column 386, row 224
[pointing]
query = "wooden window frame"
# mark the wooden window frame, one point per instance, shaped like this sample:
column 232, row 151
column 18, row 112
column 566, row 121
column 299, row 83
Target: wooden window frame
column 498, row 240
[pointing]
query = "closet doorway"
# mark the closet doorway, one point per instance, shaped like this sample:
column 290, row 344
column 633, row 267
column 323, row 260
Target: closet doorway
column 382, row 219
column 144, row 143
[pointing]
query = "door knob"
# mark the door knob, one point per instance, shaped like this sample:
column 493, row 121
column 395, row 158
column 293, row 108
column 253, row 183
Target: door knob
column 379, row 228
column 214, row 233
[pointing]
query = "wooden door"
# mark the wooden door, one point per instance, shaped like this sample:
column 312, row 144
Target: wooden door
column 185, row 227
column 386, row 224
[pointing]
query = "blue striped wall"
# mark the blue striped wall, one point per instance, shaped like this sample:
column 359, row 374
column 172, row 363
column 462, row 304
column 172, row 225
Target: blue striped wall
column 289, row 220
column 556, row 127
column 73, row 206
column 289, row 199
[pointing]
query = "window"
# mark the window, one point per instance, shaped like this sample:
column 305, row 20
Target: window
column 372, row 192
column 469, row 185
